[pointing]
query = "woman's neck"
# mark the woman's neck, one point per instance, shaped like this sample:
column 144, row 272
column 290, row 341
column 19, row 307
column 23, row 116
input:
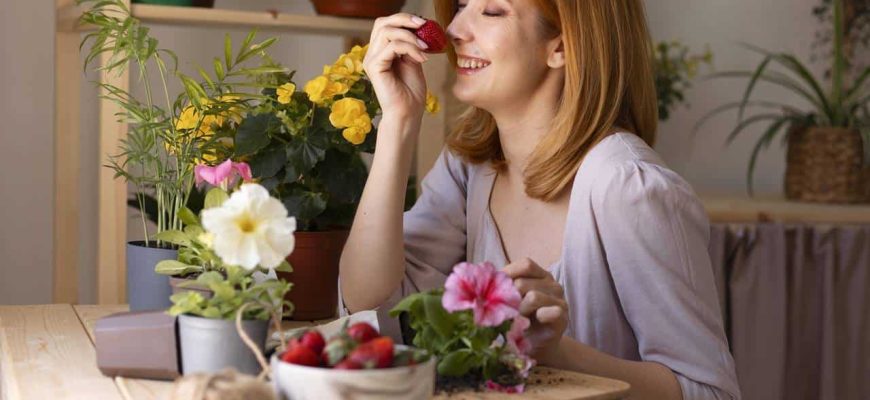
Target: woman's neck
column 522, row 127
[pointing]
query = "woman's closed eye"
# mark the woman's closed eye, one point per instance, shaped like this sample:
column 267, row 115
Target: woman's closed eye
column 486, row 13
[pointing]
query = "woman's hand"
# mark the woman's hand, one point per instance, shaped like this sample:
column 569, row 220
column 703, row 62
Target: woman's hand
column 393, row 63
column 544, row 303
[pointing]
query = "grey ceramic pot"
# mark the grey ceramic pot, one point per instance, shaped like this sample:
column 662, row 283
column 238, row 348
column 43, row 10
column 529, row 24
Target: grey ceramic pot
column 146, row 289
column 210, row 345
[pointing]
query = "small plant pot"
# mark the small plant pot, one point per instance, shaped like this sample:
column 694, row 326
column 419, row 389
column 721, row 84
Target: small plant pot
column 210, row 345
column 146, row 289
column 299, row 382
column 315, row 261
column 358, row 8
column 180, row 285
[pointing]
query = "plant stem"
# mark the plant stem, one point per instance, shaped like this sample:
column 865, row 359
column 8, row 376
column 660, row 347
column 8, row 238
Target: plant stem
column 839, row 65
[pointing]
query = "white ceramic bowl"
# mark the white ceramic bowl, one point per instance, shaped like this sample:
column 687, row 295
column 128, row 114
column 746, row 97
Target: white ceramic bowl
column 299, row 382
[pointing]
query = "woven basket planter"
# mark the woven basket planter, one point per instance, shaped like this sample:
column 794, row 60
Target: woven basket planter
column 826, row 165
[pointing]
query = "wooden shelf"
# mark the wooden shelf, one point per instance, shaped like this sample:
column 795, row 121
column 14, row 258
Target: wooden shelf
column 67, row 18
column 743, row 209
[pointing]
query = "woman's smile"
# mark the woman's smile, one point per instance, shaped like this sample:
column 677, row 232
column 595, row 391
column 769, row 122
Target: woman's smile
column 470, row 65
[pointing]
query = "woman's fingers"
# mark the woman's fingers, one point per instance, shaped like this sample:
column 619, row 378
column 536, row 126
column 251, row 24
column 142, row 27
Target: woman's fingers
column 550, row 314
column 535, row 300
column 549, row 286
column 525, row 268
column 382, row 61
column 399, row 20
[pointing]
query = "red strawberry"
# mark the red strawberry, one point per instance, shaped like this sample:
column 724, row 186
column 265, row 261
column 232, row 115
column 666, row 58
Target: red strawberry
column 362, row 332
column 313, row 340
column 337, row 349
column 348, row 364
column 431, row 33
column 376, row 353
column 301, row 355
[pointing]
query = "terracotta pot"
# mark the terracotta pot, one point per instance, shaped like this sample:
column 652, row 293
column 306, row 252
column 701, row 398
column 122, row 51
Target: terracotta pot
column 315, row 274
column 358, row 8
column 176, row 284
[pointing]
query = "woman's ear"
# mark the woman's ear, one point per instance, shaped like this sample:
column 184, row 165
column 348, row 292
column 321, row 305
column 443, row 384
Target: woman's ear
column 556, row 54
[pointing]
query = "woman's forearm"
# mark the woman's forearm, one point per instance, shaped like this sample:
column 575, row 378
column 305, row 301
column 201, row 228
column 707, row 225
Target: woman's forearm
column 373, row 260
column 648, row 380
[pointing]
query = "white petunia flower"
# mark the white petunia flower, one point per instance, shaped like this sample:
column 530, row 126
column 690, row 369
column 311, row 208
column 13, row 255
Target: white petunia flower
column 251, row 228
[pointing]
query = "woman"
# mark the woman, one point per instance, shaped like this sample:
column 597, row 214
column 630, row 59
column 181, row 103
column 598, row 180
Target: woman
column 550, row 173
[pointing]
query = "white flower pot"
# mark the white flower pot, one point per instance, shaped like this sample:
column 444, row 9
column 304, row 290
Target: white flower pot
column 299, row 382
column 210, row 345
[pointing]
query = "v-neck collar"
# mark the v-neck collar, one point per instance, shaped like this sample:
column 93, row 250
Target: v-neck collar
column 491, row 175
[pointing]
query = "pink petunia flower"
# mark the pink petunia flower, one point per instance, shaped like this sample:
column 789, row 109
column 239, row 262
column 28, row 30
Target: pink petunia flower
column 516, row 336
column 489, row 293
column 223, row 175
column 495, row 387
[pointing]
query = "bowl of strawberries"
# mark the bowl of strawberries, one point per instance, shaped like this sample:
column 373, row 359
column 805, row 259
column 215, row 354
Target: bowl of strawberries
column 357, row 362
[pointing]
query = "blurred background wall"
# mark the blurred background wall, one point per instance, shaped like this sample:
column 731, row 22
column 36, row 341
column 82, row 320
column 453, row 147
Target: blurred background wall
column 26, row 102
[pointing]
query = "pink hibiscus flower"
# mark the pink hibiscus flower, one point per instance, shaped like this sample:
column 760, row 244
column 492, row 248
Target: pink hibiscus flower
column 516, row 336
column 489, row 293
column 223, row 175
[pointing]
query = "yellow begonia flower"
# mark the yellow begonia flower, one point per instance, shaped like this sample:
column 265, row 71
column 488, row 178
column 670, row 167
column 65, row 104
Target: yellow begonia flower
column 285, row 93
column 350, row 113
column 321, row 89
column 354, row 135
column 432, row 105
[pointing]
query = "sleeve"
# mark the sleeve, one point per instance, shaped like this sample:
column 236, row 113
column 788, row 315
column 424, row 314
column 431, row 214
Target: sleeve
column 434, row 234
column 655, row 233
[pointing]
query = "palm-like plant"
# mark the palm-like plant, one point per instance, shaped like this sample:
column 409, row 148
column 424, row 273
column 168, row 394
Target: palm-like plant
column 846, row 104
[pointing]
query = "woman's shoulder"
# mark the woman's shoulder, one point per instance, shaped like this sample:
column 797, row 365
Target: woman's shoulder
column 624, row 168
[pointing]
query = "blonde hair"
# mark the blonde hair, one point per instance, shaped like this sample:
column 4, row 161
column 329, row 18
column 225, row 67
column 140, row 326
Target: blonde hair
column 608, row 82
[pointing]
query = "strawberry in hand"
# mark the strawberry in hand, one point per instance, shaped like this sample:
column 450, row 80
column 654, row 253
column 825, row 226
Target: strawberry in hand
column 434, row 36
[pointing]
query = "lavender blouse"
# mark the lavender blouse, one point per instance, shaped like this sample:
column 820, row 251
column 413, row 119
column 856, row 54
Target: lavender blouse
column 634, row 264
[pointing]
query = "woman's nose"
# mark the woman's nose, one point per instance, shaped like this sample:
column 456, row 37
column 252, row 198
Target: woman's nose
column 458, row 31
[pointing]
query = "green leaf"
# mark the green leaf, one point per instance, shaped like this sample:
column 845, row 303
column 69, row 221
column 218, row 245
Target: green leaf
column 175, row 237
column 267, row 163
column 764, row 141
column 306, row 151
column 284, row 267
column 749, row 121
column 188, row 217
column 752, row 81
column 228, row 51
column 215, row 198
column 304, row 205
column 405, row 304
column 456, row 363
column 219, row 69
column 175, row 268
column 253, row 133
column 437, row 316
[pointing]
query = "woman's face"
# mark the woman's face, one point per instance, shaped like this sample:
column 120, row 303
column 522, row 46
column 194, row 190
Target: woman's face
column 502, row 56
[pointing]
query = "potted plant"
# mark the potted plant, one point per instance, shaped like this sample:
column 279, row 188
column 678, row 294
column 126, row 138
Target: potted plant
column 167, row 136
column 829, row 145
column 305, row 146
column 246, row 233
column 358, row 8
column 474, row 328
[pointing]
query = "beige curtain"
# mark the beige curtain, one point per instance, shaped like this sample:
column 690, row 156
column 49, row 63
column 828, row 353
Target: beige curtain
column 796, row 304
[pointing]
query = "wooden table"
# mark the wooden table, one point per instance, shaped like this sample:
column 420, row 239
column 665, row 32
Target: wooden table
column 47, row 352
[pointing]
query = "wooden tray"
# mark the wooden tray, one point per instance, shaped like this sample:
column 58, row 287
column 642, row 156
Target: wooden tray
column 555, row 384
